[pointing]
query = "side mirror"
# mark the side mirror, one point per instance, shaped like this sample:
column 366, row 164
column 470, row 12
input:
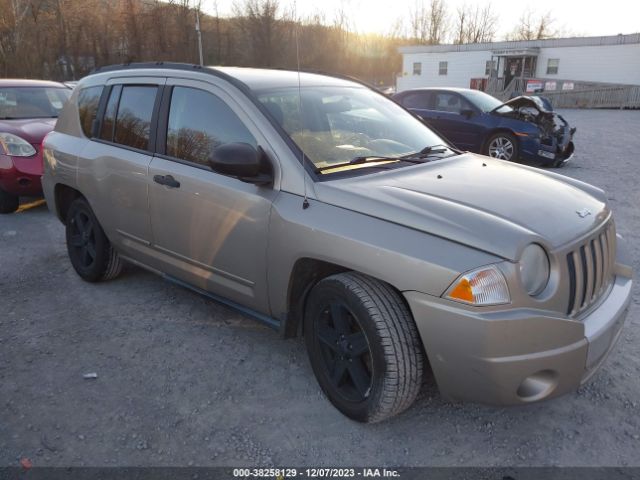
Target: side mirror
column 467, row 113
column 242, row 161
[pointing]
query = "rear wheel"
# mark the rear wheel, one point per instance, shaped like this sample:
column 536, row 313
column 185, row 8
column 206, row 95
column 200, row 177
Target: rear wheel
column 90, row 251
column 8, row 203
column 364, row 346
column 503, row 146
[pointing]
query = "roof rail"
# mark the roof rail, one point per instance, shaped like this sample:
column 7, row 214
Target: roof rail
column 175, row 66
column 213, row 71
column 135, row 65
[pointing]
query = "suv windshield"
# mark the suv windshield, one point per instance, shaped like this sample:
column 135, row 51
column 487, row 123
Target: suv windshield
column 334, row 125
column 17, row 103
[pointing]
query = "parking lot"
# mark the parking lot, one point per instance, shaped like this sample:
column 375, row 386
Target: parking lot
column 182, row 380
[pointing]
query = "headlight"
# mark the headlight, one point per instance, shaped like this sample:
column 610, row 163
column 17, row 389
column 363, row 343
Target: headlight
column 534, row 269
column 16, row 146
column 484, row 286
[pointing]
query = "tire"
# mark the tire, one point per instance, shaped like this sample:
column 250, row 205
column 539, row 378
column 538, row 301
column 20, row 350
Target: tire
column 502, row 146
column 89, row 249
column 363, row 346
column 8, row 203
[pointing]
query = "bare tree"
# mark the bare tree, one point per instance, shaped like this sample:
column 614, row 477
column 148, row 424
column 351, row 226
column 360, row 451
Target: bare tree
column 475, row 24
column 261, row 23
column 532, row 26
column 428, row 23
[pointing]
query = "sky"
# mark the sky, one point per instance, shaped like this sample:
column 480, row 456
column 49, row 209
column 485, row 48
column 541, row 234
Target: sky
column 576, row 17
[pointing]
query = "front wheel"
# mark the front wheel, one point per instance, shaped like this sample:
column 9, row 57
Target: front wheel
column 90, row 251
column 363, row 346
column 503, row 146
column 8, row 203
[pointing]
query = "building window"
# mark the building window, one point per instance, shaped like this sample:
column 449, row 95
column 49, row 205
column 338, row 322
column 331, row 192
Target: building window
column 489, row 67
column 552, row 66
column 442, row 68
column 417, row 68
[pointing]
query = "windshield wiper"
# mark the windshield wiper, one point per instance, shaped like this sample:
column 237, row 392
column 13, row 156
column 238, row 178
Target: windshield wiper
column 361, row 160
column 429, row 151
column 416, row 157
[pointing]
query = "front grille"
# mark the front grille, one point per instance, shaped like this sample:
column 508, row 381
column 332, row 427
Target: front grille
column 590, row 267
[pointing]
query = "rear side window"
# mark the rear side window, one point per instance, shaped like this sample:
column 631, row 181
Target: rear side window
column 133, row 120
column 109, row 118
column 198, row 122
column 417, row 100
column 88, row 101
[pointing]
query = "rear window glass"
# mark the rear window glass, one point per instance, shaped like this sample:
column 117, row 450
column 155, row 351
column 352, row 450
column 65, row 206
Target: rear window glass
column 88, row 101
column 32, row 102
column 417, row 100
column 133, row 120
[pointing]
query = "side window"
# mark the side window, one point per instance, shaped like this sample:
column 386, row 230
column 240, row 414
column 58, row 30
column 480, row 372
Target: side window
column 133, row 120
column 443, row 67
column 552, row 66
column 417, row 100
column 109, row 118
column 88, row 100
column 449, row 102
column 198, row 122
column 417, row 68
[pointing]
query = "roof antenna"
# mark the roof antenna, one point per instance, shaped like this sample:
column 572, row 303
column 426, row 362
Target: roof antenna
column 305, row 202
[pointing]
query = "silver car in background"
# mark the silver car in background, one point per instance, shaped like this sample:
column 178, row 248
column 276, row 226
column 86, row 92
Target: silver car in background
column 324, row 209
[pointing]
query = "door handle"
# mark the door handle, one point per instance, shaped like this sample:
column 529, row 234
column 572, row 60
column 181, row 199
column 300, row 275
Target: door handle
column 166, row 180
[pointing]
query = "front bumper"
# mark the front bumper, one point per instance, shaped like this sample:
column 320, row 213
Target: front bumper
column 515, row 356
column 21, row 175
column 555, row 151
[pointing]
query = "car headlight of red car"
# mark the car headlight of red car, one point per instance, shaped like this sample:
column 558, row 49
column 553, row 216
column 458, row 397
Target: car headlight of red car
column 15, row 146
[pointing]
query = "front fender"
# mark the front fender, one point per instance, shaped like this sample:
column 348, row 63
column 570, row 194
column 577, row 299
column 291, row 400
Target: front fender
column 403, row 257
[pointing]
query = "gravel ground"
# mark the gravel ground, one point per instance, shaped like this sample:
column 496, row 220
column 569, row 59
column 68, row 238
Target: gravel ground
column 185, row 381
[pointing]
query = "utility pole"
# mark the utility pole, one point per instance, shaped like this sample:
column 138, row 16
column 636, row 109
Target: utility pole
column 199, row 33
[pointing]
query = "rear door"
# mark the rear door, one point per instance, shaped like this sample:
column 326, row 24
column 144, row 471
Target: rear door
column 209, row 230
column 112, row 168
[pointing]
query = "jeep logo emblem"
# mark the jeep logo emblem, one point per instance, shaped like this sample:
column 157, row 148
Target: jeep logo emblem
column 583, row 212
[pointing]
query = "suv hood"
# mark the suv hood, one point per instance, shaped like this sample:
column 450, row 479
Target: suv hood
column 524, row 101
column 495, row 206
column 33, row 130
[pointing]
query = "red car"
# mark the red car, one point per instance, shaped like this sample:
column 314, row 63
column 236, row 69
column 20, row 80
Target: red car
column 28, row 111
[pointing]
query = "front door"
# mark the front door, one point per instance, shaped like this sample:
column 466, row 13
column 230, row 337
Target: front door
column 456, row 119
column 209, row 230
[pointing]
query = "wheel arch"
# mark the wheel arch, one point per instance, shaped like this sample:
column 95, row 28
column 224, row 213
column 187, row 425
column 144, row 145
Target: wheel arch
column 305, row 274
column 64, row 195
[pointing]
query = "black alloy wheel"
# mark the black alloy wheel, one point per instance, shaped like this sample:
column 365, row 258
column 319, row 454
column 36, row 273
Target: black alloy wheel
column 345, row 352
column 363, row 346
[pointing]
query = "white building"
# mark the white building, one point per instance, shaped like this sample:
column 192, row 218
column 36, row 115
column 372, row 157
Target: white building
column 612, row 59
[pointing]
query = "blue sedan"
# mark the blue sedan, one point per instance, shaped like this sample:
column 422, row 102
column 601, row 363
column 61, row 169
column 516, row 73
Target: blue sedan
column 522, row 129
